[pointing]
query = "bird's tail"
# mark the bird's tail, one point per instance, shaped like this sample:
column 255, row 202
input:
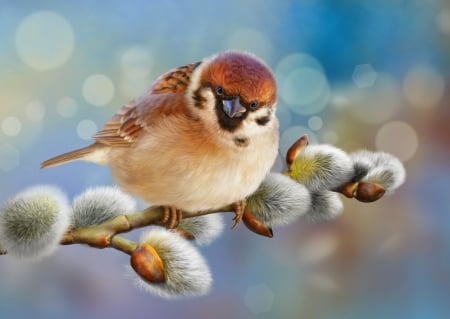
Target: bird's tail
column 80, row 154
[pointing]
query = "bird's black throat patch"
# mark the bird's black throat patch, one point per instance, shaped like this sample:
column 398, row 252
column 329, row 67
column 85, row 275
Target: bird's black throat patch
column 227, row 123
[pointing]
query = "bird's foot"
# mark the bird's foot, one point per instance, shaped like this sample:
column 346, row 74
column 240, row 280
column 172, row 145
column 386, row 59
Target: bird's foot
column 171, row 217
column 239, row 208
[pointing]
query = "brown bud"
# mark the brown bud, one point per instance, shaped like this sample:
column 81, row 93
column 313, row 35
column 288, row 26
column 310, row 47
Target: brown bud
column 147, row 264
column 255, row 225
column 369, row 192
column 348, row 190
column 296, row 149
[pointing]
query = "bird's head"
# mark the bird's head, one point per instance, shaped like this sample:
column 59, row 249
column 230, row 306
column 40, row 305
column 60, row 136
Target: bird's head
column 236, row 91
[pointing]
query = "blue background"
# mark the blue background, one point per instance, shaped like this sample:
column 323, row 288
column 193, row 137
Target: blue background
column 374, row 69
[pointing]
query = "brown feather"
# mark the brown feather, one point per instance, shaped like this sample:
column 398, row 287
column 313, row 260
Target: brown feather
column 174, row 81
column 163, row 98
column 70, row 156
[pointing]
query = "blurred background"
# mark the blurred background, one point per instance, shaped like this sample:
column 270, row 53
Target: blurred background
column 356, row 74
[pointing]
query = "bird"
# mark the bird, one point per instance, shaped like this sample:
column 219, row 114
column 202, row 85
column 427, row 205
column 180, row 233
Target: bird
column 203, row 136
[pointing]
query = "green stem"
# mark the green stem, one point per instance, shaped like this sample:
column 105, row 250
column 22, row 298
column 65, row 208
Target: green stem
column 123, row 244
column 104, row 235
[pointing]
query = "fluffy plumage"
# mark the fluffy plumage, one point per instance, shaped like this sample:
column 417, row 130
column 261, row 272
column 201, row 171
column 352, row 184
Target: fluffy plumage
column 97, row 205
column 33, row 221
column 187, row 273
column 279, row 200
column 202, row 137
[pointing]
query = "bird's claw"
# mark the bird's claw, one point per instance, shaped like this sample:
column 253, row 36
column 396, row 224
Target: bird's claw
column 239, row 208
column 171, row 217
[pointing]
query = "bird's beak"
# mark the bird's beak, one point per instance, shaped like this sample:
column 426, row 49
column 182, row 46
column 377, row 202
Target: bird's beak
column 233, row 107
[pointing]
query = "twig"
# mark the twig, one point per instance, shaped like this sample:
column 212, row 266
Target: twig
column 104, row 235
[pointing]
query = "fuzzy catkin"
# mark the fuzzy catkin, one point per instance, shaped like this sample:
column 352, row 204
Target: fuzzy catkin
column 322, row 167
column 279, row 200
column 97, row 205
column 382, row 168
column 33, row 222
column 187, row 273
column 205, row 229
column 325, row 206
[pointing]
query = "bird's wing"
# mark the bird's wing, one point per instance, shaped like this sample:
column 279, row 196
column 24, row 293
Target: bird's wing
column 174, row 81
column 164, row 98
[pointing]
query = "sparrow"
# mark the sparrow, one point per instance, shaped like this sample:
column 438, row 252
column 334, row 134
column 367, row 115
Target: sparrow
column 203, row 136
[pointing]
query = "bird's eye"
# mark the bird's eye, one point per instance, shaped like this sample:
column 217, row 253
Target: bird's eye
column 219, row 90
column 253, row 105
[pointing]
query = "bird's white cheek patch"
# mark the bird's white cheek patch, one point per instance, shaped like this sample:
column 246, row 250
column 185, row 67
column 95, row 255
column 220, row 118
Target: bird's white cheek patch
column 210, row 99
column 259, row 118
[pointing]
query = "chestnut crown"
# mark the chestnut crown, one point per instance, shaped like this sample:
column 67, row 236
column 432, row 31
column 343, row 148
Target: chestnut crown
column 239, row 74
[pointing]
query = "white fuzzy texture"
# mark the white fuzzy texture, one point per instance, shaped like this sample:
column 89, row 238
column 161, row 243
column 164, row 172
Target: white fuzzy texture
column 325, row 206
column 187, row 273
column 33, row 222
column 363, row 158
column 383, row 168
column 97, row 205
column 279, row 200
column 205, row 229
column 323, row 167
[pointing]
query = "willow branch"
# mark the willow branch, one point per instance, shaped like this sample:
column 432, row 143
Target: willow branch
column 105, row 235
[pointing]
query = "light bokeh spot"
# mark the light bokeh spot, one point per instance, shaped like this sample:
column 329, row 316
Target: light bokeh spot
column 35, row 111
column 136, row 63
column 423, row 87
column 397, row 138
column 44, row 40
column 339, row 101
column 9, row 157
column 315, row 123
column 259, row 298
column 86, row 128
column 66, row 107
column 364, row 75
column 443, row 21
column 11, row 126
column 98, row 90
column 302, row 84
column 377, row 104
column 294, row 61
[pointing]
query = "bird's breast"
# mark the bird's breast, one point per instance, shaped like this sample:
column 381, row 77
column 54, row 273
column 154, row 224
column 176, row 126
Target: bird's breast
column 190, row 171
